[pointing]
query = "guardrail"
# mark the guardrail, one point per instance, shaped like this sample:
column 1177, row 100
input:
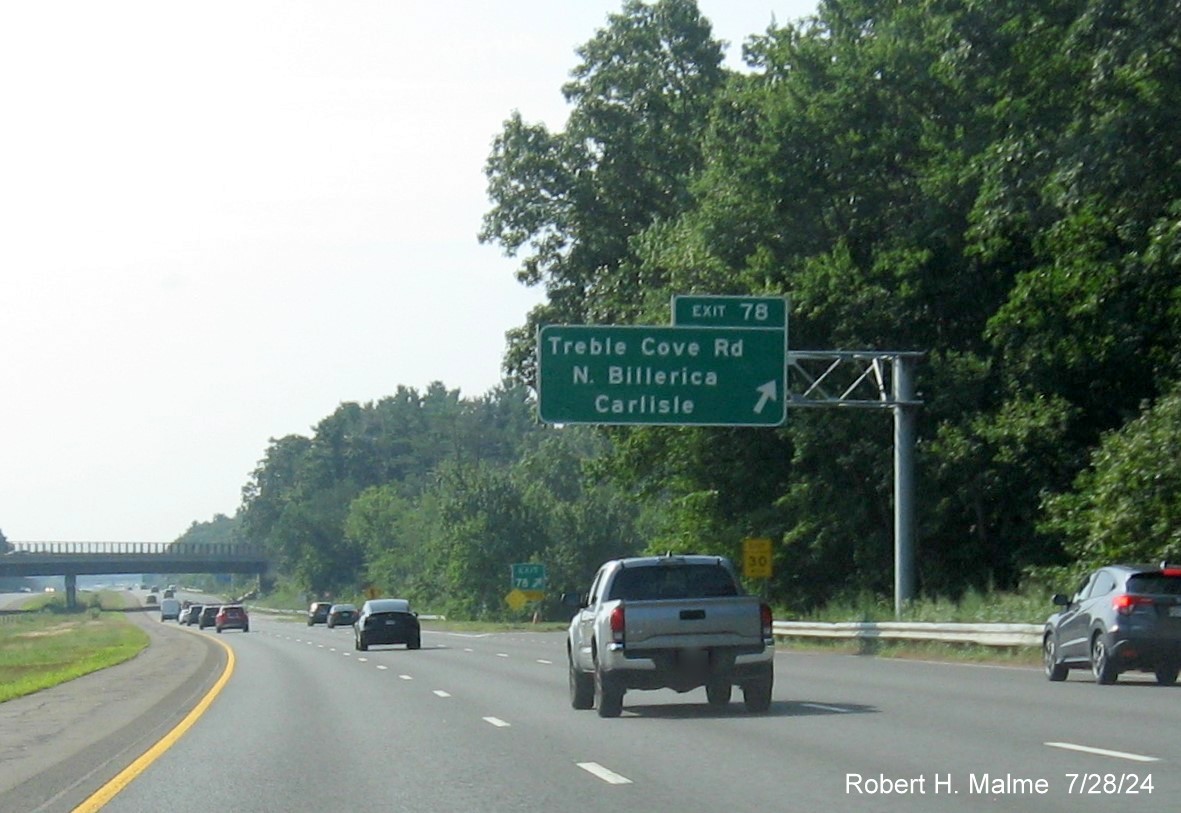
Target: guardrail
column 1000, row 635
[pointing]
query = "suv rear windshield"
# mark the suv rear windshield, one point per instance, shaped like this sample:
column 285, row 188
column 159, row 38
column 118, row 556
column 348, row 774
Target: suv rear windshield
column 672, row 582
column 1156, row 584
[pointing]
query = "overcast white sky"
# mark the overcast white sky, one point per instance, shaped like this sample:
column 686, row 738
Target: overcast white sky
column 222, row 219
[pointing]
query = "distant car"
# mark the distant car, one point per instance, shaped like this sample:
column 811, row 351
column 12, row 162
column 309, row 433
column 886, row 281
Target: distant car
column 189, row 615
column 151, row 598
column 1122, row 618
column 232, row 617
column 387, row 621
column 318, row 612
column 169, row 609
column 341, row 615
column 169, row 593
column 208, row 616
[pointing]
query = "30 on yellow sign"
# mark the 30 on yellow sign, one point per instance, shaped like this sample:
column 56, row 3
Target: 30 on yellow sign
column 756, row 558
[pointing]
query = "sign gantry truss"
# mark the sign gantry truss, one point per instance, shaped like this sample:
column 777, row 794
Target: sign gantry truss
column 848, row 378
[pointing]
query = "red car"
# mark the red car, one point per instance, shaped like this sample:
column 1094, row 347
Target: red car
column 232, row 617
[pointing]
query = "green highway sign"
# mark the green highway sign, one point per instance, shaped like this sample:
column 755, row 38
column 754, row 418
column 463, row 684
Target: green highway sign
column 730, row 311
column 528, row 576
column 673, row 376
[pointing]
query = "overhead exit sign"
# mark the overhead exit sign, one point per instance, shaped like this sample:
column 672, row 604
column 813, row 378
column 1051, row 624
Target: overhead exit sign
column 676, row 376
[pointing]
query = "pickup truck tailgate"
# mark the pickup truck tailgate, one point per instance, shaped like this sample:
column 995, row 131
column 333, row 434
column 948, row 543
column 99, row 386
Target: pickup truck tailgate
column 686, row 623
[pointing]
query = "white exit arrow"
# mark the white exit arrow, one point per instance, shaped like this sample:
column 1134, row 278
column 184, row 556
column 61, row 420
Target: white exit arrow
column 766, row 393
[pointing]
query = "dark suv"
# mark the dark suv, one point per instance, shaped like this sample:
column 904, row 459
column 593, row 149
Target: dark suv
column 208, row 616
column 1123, row 618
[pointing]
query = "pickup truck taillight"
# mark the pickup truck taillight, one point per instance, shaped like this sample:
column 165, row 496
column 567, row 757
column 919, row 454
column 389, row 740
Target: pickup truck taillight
column 617, row 624
column 765, row 614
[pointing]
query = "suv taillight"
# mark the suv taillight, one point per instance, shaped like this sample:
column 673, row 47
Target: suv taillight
column 1125, row 603
column 617, row 624
column 765, row 615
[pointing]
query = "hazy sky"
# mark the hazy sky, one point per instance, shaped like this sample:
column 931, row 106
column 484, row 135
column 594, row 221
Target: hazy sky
column 220, row 220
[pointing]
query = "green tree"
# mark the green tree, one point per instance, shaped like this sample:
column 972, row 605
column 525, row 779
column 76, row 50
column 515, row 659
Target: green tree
column 1126, row 506
column 576, row 198
column 485, row 527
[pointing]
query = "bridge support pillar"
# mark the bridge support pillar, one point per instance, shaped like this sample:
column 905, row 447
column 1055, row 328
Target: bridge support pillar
column 71, row 592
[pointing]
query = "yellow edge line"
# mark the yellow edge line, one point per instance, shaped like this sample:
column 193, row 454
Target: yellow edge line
column 125, row 777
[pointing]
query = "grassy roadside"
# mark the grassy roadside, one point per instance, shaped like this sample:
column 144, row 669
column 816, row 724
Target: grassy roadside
column 1022, row 656
column 39, row 650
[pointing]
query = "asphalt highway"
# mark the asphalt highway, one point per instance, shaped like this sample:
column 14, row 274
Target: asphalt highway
column 483, row 723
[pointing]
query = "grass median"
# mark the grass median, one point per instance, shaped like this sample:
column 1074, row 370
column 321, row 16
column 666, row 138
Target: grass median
column 49, row 646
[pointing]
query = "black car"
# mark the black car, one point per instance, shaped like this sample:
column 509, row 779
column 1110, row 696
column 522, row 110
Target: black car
column 387, row 621
column 318, row 612
column 208, row 616
column 1123, row 618
column 341, row 615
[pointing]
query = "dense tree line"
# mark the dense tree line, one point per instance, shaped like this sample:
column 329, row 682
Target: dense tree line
column 993, row 182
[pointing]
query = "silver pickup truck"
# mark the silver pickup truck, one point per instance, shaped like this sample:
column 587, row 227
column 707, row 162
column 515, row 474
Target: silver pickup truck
column 669, row 622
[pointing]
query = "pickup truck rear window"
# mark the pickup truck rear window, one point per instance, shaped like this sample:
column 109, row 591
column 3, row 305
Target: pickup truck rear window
column 672, row 582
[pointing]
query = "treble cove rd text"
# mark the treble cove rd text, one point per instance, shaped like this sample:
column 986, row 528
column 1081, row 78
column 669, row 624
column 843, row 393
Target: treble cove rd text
column 650, row 346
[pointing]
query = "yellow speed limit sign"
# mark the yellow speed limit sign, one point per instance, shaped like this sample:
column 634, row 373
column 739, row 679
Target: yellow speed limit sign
column 756, row 558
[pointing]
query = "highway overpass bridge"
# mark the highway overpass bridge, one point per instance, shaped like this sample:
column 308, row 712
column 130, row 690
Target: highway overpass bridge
column 74, row 559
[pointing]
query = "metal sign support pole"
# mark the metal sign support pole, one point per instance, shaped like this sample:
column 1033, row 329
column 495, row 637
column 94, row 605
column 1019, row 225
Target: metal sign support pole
column 904, row 440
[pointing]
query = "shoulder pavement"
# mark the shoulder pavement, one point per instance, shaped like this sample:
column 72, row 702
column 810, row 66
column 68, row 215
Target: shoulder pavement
column 92, row 727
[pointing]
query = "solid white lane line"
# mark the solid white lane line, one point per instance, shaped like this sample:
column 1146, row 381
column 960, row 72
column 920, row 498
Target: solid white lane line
column 822, row 707
column 441, row 693
column 1103, row 752
column 496, row 721
column 606, row 775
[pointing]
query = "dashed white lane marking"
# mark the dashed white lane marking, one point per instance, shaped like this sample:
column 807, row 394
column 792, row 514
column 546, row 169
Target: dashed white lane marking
column 543, row 660
column 502, row 654
column 361, row 660
column 468, row 649
column 496, row 721
column 1103, row 752
column 382, row 666
column 406, row 677
column 605, row 774
column 441, row 693
column 822, row 707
